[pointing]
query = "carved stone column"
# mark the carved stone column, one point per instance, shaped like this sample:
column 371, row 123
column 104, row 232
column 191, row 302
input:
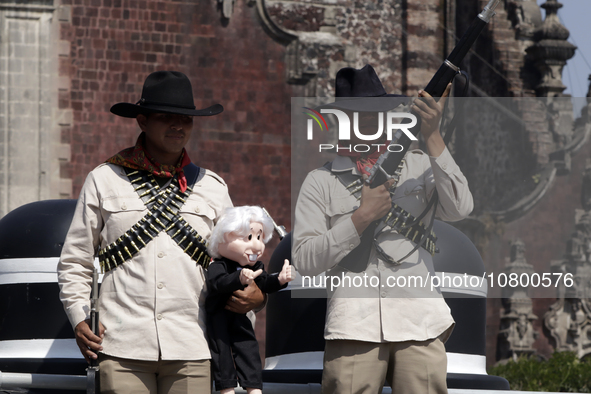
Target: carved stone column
column 551, row 51
column 516, row 334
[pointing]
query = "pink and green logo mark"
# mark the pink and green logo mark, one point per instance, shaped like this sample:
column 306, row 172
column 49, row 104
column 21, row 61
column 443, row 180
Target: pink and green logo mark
column 317, row 117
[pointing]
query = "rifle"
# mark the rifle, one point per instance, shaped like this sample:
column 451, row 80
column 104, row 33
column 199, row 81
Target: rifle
column 388, row 161
column 281, row 231
column 93, row 385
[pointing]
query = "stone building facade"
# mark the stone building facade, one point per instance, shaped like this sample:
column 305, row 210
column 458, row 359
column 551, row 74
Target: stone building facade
column 65, row 62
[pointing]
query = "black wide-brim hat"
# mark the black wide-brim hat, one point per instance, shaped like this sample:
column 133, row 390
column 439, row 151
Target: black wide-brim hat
column 362, row 91
column 168, row 92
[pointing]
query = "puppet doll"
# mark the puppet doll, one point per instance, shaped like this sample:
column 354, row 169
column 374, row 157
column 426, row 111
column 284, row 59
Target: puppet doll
column 236, row 244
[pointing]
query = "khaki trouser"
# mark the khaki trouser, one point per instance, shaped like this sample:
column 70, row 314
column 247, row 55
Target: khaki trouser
column 362, row 367
column 125, row 376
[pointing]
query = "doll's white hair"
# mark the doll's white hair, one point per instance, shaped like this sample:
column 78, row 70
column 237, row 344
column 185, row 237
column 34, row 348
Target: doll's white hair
column 237, row 220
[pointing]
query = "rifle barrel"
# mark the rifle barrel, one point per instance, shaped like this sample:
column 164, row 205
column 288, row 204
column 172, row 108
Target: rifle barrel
column 281, row 231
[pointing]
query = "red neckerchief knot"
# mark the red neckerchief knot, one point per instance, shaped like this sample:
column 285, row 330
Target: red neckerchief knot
column 137, row 158
column 363, row 160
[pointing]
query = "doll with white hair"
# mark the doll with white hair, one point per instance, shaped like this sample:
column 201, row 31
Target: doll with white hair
column 236, row 244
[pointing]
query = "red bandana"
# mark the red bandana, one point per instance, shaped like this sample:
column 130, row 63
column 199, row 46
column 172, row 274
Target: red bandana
column 368, row 160
column 137, row 158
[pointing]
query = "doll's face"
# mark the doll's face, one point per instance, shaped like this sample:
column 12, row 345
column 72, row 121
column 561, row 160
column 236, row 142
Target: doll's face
column 245, row 250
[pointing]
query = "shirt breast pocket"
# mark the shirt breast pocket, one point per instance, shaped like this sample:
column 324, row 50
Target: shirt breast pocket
column 340, row 208
column 120, row 213
column 199, row 214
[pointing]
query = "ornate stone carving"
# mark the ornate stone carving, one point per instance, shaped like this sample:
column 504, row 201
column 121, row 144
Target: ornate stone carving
column 308, row 32
column 516, row 334
column 556, row 134
column 551, row 51
column 227, row 7
column 569, row 319
column 326, row 35
column 525, row 16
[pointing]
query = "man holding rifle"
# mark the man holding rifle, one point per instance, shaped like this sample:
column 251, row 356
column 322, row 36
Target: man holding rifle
column 146, row 213
column 380, row 332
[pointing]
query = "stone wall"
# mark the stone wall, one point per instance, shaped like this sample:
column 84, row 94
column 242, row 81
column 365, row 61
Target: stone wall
column 29, row 136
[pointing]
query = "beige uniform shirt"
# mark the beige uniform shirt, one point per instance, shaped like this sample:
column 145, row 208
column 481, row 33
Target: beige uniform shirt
column 382, row 309
column 153, row 303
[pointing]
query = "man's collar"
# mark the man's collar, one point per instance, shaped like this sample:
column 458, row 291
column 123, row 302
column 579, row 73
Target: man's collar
column 344, row 163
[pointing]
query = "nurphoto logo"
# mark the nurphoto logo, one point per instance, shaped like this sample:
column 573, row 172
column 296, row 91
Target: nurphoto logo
column 393, row 129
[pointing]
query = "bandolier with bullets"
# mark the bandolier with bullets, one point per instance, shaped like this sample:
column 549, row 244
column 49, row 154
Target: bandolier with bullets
column 163, row 215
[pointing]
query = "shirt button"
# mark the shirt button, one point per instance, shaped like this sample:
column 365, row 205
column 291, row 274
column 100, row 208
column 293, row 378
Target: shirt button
column 124, row 207
column 383, row 294
column 352, row 246
column 159, row 317
column 161, row 255
column 444, row 166
column 160, row 285
column 197, row 209
column 342, row 208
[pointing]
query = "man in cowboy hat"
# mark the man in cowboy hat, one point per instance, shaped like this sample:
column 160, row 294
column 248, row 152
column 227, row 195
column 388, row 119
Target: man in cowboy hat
column 146, row 213
column 377, row 333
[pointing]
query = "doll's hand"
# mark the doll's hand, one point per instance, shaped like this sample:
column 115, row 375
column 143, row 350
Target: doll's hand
column 287, row 273
column 247, row 276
